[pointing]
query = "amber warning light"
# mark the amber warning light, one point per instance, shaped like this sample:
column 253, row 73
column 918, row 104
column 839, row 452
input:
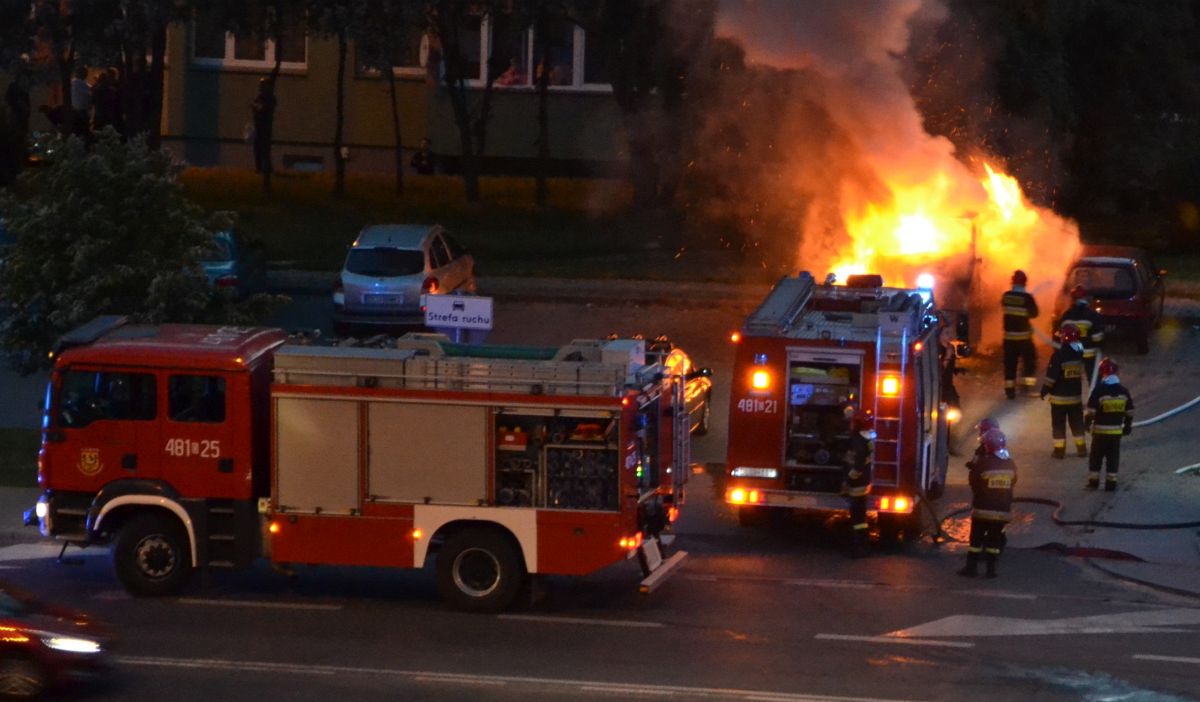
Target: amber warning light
column 889, row 386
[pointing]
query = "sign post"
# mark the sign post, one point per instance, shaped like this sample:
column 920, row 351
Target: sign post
column 458, row 312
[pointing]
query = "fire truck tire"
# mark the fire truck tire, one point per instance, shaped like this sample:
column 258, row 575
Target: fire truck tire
column 151, row 555
column 705, row 416
column 479, row 570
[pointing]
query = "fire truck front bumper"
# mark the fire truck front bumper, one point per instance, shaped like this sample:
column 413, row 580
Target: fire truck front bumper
column 759, row 497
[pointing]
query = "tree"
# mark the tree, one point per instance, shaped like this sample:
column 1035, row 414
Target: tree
column 380, row 26
column 102, row 231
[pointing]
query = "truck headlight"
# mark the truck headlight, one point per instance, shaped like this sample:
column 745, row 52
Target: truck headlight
column 71, row 644
column 748, row 472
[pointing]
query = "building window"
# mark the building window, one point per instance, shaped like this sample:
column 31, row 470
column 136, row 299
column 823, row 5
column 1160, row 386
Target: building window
column 403, row 54
column 213, row 46
column 574, row 62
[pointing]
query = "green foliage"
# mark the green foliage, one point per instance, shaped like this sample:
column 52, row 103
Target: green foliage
column 101, row 231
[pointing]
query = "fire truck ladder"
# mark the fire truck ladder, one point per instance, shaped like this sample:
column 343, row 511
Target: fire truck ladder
column 787, row 300
column 891, row 361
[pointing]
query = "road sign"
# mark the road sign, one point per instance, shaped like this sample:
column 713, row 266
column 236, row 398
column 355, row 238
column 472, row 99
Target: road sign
column 458, row 312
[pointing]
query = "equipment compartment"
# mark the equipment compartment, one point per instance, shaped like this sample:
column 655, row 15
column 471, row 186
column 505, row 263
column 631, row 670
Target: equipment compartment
column 543, row 459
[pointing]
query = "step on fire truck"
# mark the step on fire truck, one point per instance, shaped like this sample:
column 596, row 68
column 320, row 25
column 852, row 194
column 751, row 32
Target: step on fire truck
column 803, row 356
column 190, row 447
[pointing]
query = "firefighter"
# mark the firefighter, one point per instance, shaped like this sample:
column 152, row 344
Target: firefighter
column 1110, row 415
column 1064, row 385
column 983, row 427
column 1019, row 307
column 1091, row 327
column 993, row 476
column 858, row 477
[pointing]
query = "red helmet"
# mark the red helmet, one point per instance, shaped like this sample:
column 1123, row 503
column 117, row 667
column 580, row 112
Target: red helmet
column 1078, row 293
column 987, row 424
column 994, row 441
column 1019, row 277
column 1108, row 367
column 1069, row 333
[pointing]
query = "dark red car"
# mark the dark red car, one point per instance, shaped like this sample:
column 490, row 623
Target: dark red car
column 43, row 646
column 1126, row 288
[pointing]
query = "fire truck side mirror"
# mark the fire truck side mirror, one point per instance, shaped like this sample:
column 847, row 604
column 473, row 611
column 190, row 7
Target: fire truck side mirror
column 699, row 373
column 962, row 350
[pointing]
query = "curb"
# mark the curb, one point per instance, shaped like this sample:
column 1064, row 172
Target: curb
column 1139, row 581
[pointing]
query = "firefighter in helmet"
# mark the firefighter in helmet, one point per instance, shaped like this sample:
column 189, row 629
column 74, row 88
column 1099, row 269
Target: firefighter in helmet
column 1019, row 307
column 1091, row 327
column 1064, row 385
column 983, row 427
column 1110, row 415
column 993, row 476
column 859, row 459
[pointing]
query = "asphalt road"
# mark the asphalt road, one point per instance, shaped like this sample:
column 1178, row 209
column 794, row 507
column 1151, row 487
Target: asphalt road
column 770, row 614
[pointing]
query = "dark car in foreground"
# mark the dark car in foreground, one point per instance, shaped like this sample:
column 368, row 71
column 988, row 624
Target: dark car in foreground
column 387, row 271
column 1126, row 289
column 45, row 647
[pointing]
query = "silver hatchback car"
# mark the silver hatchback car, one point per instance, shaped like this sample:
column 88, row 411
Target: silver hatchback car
column 389, row 268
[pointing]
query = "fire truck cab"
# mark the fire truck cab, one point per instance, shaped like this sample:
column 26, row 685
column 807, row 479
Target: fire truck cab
column 187, row 446
column 807, row 353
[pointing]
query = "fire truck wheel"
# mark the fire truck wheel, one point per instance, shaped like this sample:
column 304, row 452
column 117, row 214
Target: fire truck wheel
column 151, row 555
column 478, row 570
column 705, row 416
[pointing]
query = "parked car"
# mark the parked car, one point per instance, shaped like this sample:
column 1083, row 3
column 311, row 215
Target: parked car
column 235, row 264
column 1126, row 289
column 389, row 268
column 46, row 647
column 698, row 381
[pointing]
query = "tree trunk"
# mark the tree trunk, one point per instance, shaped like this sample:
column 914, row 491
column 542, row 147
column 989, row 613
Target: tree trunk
column 154, row 92
column 339, row 182
column 542, row 190
column 391, row 75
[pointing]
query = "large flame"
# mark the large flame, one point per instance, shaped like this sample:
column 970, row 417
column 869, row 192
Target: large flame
column 969, row 235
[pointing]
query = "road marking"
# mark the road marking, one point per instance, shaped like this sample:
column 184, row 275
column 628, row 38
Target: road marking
column 1144, row 622
column 999, row 594
column 1166, row 659
column 895, row 640
column 626, row 689
column 857, row 585
column 582, row 620
column 258, row 604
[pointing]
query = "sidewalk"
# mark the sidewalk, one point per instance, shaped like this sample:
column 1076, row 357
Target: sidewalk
column 1150, row 492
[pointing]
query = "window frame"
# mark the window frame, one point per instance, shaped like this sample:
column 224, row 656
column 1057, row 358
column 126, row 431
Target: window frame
column 174, row 416
column 229, row 62
column 578, row 57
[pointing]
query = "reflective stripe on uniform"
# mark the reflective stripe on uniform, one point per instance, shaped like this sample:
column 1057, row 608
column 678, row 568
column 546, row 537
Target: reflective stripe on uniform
column 860, row 526
column 993, row 551
column 1060, row 400
column 1018, row 336
column 1016, row 311
column 1107, row 429
column 858, row 491
column 993, row 515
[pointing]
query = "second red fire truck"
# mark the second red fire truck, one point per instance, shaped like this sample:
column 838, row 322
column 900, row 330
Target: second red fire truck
column 807, row 353
column 193, row 447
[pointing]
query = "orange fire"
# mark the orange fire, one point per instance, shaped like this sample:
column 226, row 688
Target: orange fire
column 935, row 226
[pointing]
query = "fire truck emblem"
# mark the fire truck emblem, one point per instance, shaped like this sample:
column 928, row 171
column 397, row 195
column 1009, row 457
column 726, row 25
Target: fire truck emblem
column 89, row 461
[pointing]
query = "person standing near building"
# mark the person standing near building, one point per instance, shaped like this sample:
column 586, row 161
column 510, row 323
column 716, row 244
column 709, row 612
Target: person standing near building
column 81, row 103
column 1019, row 308
column 1110, row 415
column 262, row 109
column 993, row 476
column 1064, row 385
column 1091, row 327
column 858, row 477
column 422, row 160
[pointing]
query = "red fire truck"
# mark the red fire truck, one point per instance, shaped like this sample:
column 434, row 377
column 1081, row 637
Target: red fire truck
column 190, row 446
column 803, row 356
